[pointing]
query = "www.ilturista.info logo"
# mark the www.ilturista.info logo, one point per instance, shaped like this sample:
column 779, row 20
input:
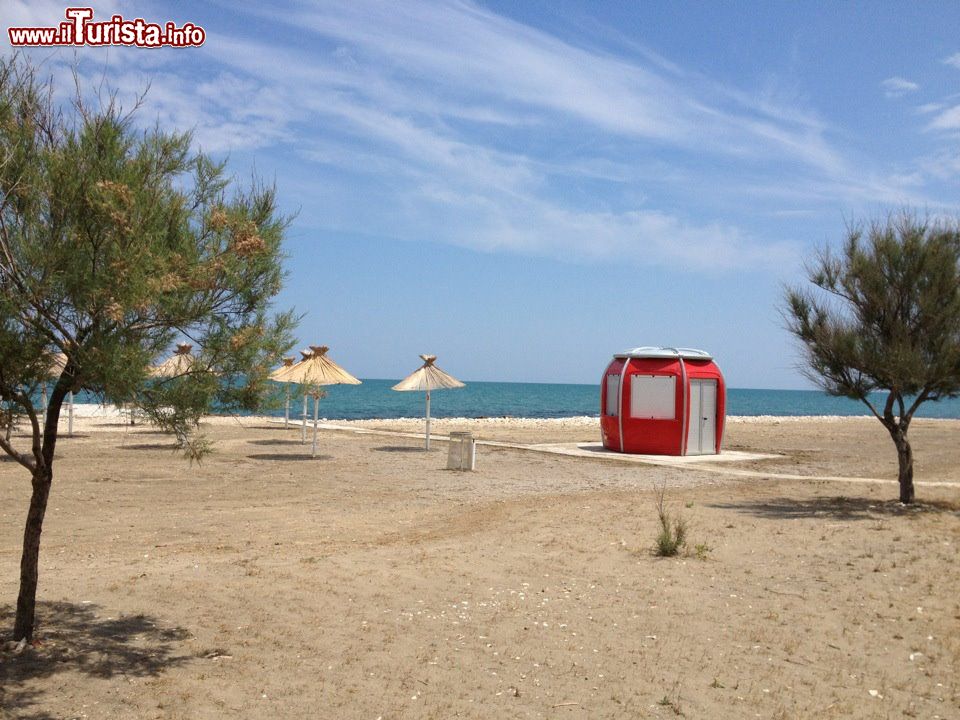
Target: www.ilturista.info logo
column 79, row 29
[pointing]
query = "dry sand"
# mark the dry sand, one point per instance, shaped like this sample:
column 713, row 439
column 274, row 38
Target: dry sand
column 372, row 583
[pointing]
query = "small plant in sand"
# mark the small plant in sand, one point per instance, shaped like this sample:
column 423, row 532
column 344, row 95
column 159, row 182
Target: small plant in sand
column 673, row 529
column 673, row 704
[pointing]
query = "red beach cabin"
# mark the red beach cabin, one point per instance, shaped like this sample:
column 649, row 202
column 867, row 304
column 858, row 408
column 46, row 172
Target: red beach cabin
column 663, row 401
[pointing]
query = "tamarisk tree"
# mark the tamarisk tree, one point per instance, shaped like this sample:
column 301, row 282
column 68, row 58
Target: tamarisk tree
column 885, row 317
column 114, row 243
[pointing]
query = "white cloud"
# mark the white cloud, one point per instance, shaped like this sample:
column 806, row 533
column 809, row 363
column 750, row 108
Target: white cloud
column 953, row 60
column 469, row 52
column 945, row 165
column 895, row 87
column 460, row 191
column 948, row 119
column 394, row 85
column 31, row 13
column 642, row 237
column 476, row 130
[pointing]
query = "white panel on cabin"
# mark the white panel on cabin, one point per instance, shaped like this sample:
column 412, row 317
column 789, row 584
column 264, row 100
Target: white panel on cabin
column 653, row 396
column 613, row 395
column 694, row 427
column 702, row 426
column 708, row 415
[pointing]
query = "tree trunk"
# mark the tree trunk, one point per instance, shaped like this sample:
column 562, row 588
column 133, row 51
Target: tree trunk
column 42, row 479
column 30, row 559
column 905, row 458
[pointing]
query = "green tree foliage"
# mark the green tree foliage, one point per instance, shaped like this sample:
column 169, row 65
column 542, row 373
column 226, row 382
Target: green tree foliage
column 115, row 243
column 885, row 316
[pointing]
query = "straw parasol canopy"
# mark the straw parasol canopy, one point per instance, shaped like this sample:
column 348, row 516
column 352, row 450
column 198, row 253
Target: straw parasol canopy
column 314, row 370
column 177, row 364
column 278, row 373
column 428, row 377
column 317, row 369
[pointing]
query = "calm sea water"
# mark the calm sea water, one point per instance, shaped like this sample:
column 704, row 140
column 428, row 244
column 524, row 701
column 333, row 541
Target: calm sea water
column 375, row 399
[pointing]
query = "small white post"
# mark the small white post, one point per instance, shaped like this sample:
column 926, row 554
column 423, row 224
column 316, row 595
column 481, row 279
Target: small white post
column 9, row 424
column 303, row 425
column 316, row 405
column 428, row 419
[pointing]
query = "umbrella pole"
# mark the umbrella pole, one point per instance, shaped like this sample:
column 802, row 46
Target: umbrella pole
column 286, row 410
column 303, row 425
column 316, row 405
column 70, row 417
column 428, row 420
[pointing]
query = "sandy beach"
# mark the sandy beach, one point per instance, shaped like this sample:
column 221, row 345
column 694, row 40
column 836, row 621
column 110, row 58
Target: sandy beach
column 373, row 583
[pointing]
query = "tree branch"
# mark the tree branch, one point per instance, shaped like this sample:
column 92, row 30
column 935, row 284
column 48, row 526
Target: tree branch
column 18, row 456
column 921, row 398
column 872, row 409
column 23, row 401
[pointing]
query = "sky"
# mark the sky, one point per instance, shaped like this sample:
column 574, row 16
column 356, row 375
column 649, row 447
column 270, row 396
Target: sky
column 525, row 188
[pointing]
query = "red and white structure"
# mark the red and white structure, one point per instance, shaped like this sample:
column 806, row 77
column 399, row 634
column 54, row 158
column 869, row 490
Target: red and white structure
column 663, row 401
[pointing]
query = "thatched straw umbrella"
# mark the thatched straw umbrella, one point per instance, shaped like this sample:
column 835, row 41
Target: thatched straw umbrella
column 315, row 370
column 428, row 377
column 278, row 376
column 180, row 363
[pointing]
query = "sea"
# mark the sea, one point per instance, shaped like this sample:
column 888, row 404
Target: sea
column 375, row 399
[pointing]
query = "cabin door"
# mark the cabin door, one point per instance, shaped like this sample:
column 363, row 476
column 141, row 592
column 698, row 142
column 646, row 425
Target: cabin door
column 702, row 426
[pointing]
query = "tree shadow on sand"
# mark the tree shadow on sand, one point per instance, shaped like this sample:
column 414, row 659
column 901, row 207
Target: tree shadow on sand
column 73, row 638
column 836, row 508
column 273, row 457
column 278, row 426
column 402, row 449
column 171, row 446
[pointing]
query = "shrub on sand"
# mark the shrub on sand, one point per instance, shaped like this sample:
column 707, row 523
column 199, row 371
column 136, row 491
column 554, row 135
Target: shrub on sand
column 673, row 530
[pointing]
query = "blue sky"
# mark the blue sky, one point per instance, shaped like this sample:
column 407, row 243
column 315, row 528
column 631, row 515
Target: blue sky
column 524, row 188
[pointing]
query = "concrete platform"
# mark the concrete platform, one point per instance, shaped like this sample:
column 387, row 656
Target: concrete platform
column 594, row 450
column 722, row 464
